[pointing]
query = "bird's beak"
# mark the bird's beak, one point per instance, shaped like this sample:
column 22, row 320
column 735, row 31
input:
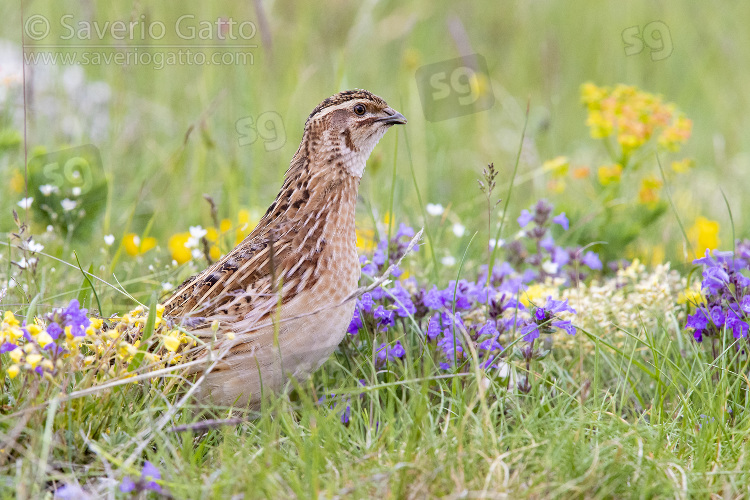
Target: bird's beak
column 393, row 118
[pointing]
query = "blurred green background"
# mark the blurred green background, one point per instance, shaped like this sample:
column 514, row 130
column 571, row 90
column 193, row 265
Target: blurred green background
column 168, row 135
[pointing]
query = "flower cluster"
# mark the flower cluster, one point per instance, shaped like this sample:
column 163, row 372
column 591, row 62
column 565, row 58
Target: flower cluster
column 468, row 318
column 725, row 305
column 535, row 250
column 634, row 299
column 633, row 117
column 68, row 340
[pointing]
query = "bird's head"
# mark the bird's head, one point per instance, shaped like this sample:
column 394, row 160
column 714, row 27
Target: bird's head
column 343, row 129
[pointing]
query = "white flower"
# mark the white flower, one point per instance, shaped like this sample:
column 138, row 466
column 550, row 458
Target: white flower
column 68, row 204
column 197, row 254
column 167, row 286
column 76, row 191
column 549, row 267
column 48, row 189
column 26, row 203
column 109, row 239
column 33, row 246
column 448, row 261
column 197, row 232
column 435, row 209
column 498, row 243
column 459, row 229
column 23, row 263
column 50, row 228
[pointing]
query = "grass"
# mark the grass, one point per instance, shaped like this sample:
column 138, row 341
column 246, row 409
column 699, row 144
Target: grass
column 644, row 416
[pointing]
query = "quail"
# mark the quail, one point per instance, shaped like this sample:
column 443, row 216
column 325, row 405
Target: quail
column 275, row 306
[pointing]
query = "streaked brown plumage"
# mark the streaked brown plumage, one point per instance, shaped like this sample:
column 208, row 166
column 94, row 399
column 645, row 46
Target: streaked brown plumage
column 281, row 292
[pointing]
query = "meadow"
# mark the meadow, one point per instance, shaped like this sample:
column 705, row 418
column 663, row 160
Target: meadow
column 561, row 224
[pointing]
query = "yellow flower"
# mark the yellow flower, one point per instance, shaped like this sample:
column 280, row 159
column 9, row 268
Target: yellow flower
column 537, row 292
column 13, row 371
column 33, row 359
column 44, row 339
column 690, row 296
column 177, row 247
column 683, row 165
column 610, row 174
column 171, row 342
column 705, row 235
column 557, row 166
column 135, row 246
column 365, row 239
column 225, row 226
column 10, row 319
column 214, row 253
column 649, row 193
column 17, row 182
column 16, row 355
column 246, row 224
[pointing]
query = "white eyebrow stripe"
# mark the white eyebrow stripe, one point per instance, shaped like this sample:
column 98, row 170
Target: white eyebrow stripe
column 343, row 105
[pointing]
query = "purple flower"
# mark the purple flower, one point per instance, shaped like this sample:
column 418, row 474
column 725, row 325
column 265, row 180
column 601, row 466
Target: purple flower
column 370, row 269
column 448, row 346
column 434, row 299
column 739, row 327
column 530, row 332
column 698, row 335
column 404, row 231
column 699, row 321
column 54, row 331
column 384, row 317
column 433, row 327
column 745, row 304
column 558, row 306
column 714, row 280
column 404, row 305
column 355, row 324
column 148, row 475
column 71, row 492
column 706, row 260
column 378, row 257
column 366, row 302
column 560, row 256
column 717, row 316
column 389, row 353
column 75, row 317
column 591, row 260
column 127, row 485
column 7, row 347
column 547, row 243
column 525, row 218
column 565, row 325
column 539, row 314
column 562, row 220
column 346, row 414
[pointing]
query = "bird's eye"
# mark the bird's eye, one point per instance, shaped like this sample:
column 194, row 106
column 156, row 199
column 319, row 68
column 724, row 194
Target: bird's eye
column 359, row 109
